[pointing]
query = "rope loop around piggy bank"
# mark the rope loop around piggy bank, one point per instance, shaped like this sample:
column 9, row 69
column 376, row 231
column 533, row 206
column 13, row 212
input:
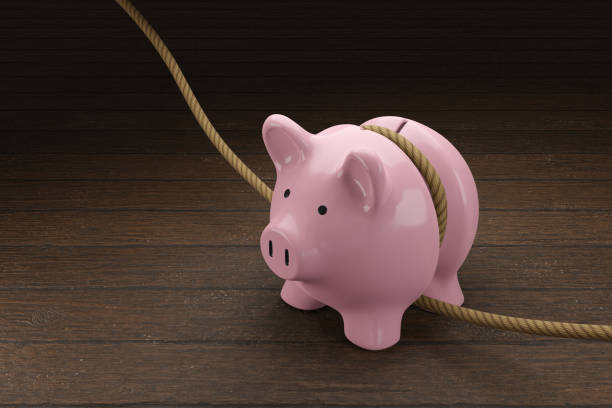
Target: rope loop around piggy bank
column 509, row 323
column 427, row 170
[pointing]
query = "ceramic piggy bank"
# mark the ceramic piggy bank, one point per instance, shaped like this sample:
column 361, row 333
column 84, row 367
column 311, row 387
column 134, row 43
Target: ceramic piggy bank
column 353, row 225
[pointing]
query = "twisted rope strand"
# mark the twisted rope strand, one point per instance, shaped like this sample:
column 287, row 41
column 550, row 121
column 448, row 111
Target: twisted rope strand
column 516, row 324
column 192, row 101
column 436, row 189
column 510, row 323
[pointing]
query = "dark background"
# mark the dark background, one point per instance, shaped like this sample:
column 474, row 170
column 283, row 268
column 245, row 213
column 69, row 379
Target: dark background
column 129, row 263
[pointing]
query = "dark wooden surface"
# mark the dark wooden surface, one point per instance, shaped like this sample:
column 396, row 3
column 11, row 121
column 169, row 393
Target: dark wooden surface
column 129, row 265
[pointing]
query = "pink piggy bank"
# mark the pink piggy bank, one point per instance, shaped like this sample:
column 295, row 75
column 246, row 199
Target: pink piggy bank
column 353, row 225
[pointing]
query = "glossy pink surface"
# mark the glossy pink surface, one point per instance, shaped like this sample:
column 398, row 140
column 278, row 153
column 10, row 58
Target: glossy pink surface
column 353, row 226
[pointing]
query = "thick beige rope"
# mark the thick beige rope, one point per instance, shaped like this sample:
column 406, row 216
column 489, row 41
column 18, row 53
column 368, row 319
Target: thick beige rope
column 517, row 324
column 193, row 103
column 436, row 188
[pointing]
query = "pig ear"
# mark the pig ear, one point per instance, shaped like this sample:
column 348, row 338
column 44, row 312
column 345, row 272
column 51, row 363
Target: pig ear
column 364, row 175
column 286, row 142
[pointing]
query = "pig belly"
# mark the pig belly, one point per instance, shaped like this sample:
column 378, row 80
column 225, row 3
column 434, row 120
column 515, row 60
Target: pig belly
column 461, row 196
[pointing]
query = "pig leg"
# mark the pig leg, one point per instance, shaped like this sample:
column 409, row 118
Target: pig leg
column 373, row 329
column 445, row 285
column 293, row 294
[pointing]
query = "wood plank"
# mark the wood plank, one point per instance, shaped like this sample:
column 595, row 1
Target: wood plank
column 193, row 141
column 299, row 16
column 309, row 69
column 402, row 45
column 113, row 228
column 253, row 119
column 228, row 315
column 312, row 374
column 494, row 26
column 271, row 10
column 241, row 267
column 405, row 85
column 237, row 195
column 552, row 195
column 121, row 55
column 320, row 101
column 334, row 20
column 553, row 7
column 204, row 167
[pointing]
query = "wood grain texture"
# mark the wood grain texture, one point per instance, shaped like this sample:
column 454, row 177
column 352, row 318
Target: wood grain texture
column 190, row 141
column 161, row 228
column 117, row 83
column 199, row 195
column 224, row 314
column 241, row 267
column 307, row 374
column 230, row 119
column 130, row 272
column 213, row 167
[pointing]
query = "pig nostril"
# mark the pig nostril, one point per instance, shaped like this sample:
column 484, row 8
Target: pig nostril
column 287, row 257
column 270, row 247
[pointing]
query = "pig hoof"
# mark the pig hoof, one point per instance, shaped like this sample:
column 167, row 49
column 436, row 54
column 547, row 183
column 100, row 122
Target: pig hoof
column 373, row 330
column 294, row 295
column 446, row 289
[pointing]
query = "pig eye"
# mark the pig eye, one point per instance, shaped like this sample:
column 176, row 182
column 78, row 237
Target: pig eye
column 286, row 193
column 322, row 209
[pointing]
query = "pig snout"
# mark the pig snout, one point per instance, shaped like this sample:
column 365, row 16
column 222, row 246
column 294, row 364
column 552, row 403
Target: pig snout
column 279, row 253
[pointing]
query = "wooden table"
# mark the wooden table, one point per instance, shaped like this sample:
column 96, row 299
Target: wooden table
column 129, row 264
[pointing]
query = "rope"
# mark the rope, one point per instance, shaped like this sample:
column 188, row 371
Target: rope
column 517, row 324
column 510, row 323
column 193, row 103
column 428, row 172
